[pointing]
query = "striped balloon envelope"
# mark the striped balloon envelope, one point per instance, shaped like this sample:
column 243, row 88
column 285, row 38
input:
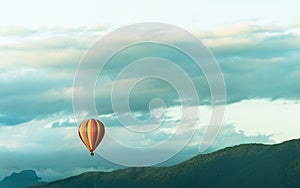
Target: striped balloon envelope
column 91, row 132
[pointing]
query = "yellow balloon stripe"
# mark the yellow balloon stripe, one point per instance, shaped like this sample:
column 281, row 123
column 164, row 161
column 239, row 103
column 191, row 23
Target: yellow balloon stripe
column 91, row 133
column 82, row 133
column 88, row 133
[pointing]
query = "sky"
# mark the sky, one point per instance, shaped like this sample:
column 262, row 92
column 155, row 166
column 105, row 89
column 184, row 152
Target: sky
column 256, row 44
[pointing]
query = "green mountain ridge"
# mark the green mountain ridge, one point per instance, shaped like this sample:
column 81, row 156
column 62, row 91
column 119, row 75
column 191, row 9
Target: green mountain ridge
column 247, row 165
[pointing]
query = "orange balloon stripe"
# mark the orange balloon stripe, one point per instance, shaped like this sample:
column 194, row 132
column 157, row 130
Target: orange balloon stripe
column 99, row 133
column 96, row 134
column 85, row 133
column 83, row 141
column 88, row 133
column 91, row 133
column 82, row 133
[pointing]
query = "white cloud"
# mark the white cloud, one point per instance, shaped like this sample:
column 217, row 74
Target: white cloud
column 48, row 46
column 278, row 118
column 37, row 135
column 259, row 121
column 185, row 13
column 243, row 34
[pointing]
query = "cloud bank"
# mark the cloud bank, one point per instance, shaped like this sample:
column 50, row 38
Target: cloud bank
column 37, row 125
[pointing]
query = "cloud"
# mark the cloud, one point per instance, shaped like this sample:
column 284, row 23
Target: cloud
column 53, row 152
column 51, row 145
column 48, row 47
column 69, row 122
column 32, row 94
column 228, row 136
column 15, row 31
column 37, row 71
column 257, row 61
column 52, row 165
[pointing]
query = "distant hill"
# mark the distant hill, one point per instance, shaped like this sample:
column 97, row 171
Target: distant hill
column 243, row 166
column 20, row 180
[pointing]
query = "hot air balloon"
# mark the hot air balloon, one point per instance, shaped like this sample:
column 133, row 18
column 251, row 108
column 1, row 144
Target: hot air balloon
column 91, row 133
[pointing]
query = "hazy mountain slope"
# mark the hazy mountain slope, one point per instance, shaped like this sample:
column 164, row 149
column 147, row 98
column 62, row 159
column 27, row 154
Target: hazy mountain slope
column 20, row 180
column 251, row 165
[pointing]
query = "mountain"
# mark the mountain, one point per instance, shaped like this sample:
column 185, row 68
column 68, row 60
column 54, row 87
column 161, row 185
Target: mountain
column 20, row 180
column 246, row 166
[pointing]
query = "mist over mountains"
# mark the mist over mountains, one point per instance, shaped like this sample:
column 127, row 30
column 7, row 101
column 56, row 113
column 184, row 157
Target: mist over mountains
column 248, row 165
